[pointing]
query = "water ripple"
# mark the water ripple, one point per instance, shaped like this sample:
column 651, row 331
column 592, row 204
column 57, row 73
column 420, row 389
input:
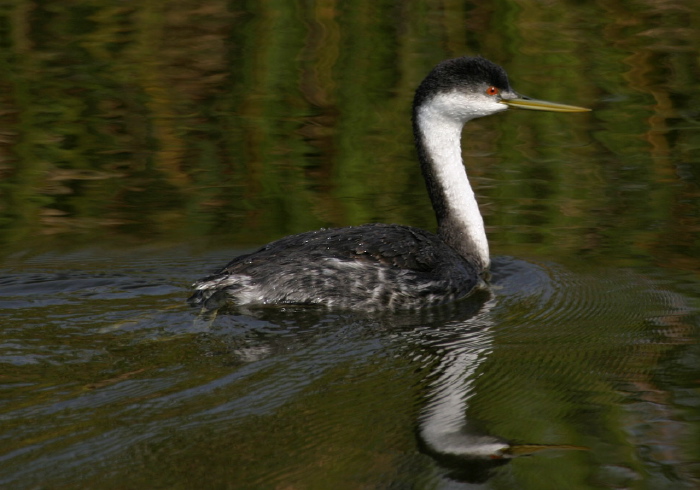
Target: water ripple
column 547, row 357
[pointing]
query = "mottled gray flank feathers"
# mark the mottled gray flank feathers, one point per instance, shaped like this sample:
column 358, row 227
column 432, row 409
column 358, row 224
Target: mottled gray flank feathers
column 369, row 266
column 387, row 266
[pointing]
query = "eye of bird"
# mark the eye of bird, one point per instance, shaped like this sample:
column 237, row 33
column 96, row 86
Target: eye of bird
column 377, row 266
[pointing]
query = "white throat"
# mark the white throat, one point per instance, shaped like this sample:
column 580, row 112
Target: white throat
column 441, row 122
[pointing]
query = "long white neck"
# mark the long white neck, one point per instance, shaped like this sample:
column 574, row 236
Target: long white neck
column 438, row 135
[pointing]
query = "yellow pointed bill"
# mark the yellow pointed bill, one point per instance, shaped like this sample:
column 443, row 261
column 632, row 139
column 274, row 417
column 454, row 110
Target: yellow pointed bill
column 541, row 105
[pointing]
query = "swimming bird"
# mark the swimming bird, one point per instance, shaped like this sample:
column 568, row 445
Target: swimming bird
column 388, row 266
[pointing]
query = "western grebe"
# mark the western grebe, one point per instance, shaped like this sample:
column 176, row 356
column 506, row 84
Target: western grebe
column 391, row 266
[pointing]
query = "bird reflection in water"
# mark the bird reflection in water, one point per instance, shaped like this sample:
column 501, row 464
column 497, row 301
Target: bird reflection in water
column 445, row 432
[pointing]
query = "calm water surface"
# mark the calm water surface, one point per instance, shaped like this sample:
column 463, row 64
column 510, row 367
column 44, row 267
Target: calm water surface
column 141, row 147
column 111, row 382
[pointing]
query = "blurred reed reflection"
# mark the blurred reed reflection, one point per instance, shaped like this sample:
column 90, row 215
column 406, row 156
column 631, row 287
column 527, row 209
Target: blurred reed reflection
column 141, row 142
column 200, row 120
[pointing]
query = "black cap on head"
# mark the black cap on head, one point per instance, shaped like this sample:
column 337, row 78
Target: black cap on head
column 468, row 72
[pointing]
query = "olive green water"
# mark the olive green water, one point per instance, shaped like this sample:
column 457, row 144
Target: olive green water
column 144, row 144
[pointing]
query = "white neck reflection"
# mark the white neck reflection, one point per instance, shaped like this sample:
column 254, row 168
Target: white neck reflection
column 443, row 426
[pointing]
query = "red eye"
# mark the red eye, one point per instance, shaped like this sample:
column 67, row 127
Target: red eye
column 492, row 90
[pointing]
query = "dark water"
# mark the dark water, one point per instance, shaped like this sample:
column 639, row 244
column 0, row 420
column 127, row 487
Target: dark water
column 141, row 146
column 110, row 382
